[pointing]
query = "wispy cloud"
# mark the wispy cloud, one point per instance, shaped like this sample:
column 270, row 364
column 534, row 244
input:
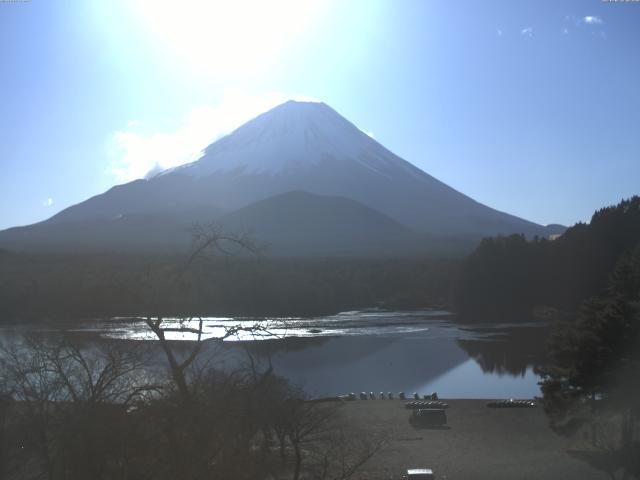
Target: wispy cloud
column 590, row 23
column 527, row 32
column 592, row 20
column 499, row 32
column 136, row 154
column 48, row 202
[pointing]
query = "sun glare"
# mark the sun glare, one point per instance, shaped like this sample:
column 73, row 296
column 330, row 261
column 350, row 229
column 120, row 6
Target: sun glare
column 229, row 38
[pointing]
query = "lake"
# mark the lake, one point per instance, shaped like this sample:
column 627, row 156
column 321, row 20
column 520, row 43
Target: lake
column 413, row 351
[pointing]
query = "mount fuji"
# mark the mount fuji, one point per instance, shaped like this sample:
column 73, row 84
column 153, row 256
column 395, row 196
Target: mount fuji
column 301, row 177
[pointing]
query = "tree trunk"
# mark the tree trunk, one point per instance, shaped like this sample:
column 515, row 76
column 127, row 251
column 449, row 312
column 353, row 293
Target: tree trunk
column 296, row 472
column 4, row 406
column 177, row 372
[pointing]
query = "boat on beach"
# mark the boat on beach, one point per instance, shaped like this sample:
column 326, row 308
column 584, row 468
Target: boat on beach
column 511, row 403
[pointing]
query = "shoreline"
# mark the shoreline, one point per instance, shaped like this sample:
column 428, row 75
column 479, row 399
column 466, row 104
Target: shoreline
column 477, row 443
column 439, row 357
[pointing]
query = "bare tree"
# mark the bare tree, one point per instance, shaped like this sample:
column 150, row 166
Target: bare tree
column 343, row 454
column 5, row 402
column 70, row 403
column 94, row 411
column 208, row 241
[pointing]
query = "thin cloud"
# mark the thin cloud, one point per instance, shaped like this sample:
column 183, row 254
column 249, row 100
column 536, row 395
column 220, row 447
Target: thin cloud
column 592, row 20
column 527, row 32
column 499, row 32
column 48, row 202
column 136, row 155
column 590, row 23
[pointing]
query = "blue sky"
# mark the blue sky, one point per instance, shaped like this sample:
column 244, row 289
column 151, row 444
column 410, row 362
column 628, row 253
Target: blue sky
column 529, row 107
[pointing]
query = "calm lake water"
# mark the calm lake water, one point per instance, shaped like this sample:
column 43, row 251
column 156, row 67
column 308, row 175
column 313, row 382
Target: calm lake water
column 371, row 351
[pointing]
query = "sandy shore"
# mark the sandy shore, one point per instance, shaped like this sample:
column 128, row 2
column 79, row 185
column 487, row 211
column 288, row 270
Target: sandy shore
column 480, row 443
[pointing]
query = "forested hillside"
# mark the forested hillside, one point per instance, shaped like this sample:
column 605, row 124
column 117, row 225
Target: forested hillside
column 505, row 278
column 67, row 286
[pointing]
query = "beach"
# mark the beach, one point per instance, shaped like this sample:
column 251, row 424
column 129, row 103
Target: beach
column 479, row 443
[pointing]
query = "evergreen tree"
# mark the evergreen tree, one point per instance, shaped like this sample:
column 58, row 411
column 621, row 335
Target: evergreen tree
column 505, row 278
column 592, row 383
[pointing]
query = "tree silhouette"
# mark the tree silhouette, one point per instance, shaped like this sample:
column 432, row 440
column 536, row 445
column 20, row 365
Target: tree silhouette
column 591, row 384
column 505, row 278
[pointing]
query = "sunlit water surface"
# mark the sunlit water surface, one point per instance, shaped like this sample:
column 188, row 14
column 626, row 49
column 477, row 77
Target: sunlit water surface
column 371, row 351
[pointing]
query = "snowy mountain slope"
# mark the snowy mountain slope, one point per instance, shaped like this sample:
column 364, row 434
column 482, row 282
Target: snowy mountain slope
column 291, row 137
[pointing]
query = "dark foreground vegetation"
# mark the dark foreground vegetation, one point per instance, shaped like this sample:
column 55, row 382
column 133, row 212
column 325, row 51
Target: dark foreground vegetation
column 103, row 411
column 591, row 384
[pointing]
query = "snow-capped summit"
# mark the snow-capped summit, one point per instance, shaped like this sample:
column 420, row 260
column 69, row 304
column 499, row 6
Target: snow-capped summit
column 291, row 136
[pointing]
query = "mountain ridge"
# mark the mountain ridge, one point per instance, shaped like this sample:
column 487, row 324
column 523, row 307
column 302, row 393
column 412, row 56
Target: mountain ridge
column 297, row 146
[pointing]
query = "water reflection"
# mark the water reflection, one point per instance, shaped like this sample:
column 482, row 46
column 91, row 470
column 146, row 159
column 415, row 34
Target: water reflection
column 511, row 350
column 370, row 351
column 369, row 322
column 372, row 364
column 456, row 364
column 468, row 380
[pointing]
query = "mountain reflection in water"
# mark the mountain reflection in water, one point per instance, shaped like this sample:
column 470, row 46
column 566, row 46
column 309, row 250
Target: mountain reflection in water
column 484, row 362
column 421, row 351
column 510, row 351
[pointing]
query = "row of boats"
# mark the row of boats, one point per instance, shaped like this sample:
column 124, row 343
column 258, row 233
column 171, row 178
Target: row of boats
column 385, row 396
column 511, row 403
column 426, row 402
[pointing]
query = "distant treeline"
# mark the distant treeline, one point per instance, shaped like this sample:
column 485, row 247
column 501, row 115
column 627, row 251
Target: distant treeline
column 67, row 286
column 506, row 278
